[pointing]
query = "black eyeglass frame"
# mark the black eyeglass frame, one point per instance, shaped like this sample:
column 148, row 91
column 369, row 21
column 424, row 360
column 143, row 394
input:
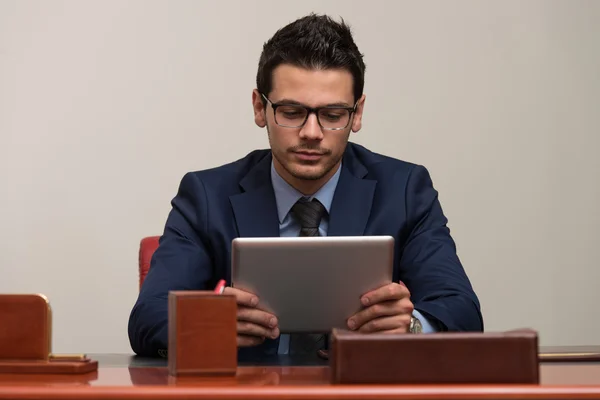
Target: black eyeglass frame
column 311, row 110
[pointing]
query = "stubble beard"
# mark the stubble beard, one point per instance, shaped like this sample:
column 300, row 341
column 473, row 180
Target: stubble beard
column 307, row 176
column 330, row 164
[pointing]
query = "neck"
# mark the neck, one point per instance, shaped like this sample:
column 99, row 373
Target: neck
column 307, row 187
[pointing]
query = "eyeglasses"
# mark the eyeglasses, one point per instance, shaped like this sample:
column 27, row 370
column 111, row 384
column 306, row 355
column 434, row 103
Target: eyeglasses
column 295, row 116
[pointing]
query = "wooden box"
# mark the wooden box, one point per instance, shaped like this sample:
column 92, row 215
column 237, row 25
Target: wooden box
column 202, row 333
column 434, row 358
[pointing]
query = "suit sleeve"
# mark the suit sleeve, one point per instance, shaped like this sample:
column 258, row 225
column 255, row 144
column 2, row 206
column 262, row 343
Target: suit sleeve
column 182, row 261
column 430, row 267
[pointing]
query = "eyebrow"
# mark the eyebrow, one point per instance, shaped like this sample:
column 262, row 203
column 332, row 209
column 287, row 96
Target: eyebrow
column 290, row 101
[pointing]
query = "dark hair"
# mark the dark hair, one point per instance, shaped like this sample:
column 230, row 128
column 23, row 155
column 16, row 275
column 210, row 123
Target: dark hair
column 312, row 42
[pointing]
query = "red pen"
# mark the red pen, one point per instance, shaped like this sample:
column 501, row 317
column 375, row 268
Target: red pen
column 220, row 287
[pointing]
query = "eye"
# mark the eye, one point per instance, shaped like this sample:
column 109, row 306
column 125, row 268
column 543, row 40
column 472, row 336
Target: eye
column 290, row 112
column 333, row 115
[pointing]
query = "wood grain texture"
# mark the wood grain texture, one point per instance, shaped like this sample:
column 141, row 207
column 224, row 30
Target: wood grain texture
column 26, row 327
column 301, row 392
column 48, row 367
column 558, row 381
column 202, row 333
column 438, row 358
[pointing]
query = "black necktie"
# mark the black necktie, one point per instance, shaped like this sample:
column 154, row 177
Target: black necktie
column 309, row 215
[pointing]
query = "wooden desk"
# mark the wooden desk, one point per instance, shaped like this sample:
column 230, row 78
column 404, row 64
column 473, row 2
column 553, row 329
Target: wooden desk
column 126, row 377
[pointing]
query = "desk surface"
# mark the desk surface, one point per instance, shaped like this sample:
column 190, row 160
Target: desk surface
column 127, row 377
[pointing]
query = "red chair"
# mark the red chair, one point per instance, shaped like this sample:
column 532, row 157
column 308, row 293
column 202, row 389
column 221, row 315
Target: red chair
column 148, row 246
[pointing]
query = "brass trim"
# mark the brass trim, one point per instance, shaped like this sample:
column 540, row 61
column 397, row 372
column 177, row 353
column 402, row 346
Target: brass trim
column 569, row 354
column 68, row 357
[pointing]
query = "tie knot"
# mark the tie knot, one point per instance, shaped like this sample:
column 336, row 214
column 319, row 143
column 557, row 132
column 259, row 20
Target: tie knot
column 309, row 213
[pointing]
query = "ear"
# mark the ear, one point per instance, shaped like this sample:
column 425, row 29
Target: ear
column 357, row 121
column 260, row 117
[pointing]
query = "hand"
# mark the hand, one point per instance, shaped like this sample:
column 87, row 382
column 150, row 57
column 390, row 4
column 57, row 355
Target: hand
column 253, row 324
column 386, row 309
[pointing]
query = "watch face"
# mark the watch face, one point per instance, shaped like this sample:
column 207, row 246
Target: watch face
column 416, row 326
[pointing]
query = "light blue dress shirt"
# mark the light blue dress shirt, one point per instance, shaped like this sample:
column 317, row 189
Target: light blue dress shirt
column 286, row 196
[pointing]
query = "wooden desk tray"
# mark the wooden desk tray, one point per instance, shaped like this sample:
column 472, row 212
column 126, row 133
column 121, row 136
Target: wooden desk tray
column 434, row 358
column 48, row 367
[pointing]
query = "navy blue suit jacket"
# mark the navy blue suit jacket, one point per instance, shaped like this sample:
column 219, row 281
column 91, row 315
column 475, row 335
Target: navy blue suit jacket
column 375, row 195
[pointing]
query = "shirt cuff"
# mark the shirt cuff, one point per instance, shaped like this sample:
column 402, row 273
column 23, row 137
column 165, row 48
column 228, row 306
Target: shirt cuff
column 427, row 325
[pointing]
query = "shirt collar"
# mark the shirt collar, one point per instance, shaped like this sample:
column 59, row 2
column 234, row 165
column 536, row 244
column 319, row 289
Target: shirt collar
column 286, row 196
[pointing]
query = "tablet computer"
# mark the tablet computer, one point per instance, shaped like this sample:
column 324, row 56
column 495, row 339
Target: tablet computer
column 312, row 284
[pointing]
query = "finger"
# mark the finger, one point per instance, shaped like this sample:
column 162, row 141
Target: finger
column 250, row 329
column 383, row 309
column 393, row 291
column 248, row 341
column 243, row 298
column 379, row 310
column 256, row 316
column 393, row 323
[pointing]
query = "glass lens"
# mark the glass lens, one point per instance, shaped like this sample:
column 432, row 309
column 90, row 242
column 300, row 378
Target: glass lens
column 291, row 116
column 334, row 118
column 294, row 116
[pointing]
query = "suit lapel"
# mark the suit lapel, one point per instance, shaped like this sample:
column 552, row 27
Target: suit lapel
column 255, row 209
column 352, row 200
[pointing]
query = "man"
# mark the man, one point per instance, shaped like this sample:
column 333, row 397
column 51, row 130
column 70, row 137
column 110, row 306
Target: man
column 312, row 181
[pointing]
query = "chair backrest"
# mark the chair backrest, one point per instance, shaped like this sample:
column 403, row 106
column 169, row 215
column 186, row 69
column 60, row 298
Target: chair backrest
column 148, row 246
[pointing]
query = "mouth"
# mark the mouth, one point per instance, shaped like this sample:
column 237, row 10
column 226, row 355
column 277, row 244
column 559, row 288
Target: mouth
column 308, row 155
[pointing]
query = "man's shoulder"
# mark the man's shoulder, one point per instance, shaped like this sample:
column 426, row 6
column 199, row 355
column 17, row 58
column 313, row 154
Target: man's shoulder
column 379, row 165
column 232, row 172
column 393, row 175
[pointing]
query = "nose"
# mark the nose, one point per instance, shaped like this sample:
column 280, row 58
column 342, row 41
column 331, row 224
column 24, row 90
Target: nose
column 311, row 129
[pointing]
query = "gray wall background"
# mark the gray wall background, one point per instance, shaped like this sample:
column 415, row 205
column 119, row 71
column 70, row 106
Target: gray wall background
column 104, row 105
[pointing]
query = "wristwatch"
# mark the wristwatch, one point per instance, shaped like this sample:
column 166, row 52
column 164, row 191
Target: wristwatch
column 415, row 325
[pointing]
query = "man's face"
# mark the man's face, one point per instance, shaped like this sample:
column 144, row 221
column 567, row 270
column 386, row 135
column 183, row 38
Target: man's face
column 308, row 156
